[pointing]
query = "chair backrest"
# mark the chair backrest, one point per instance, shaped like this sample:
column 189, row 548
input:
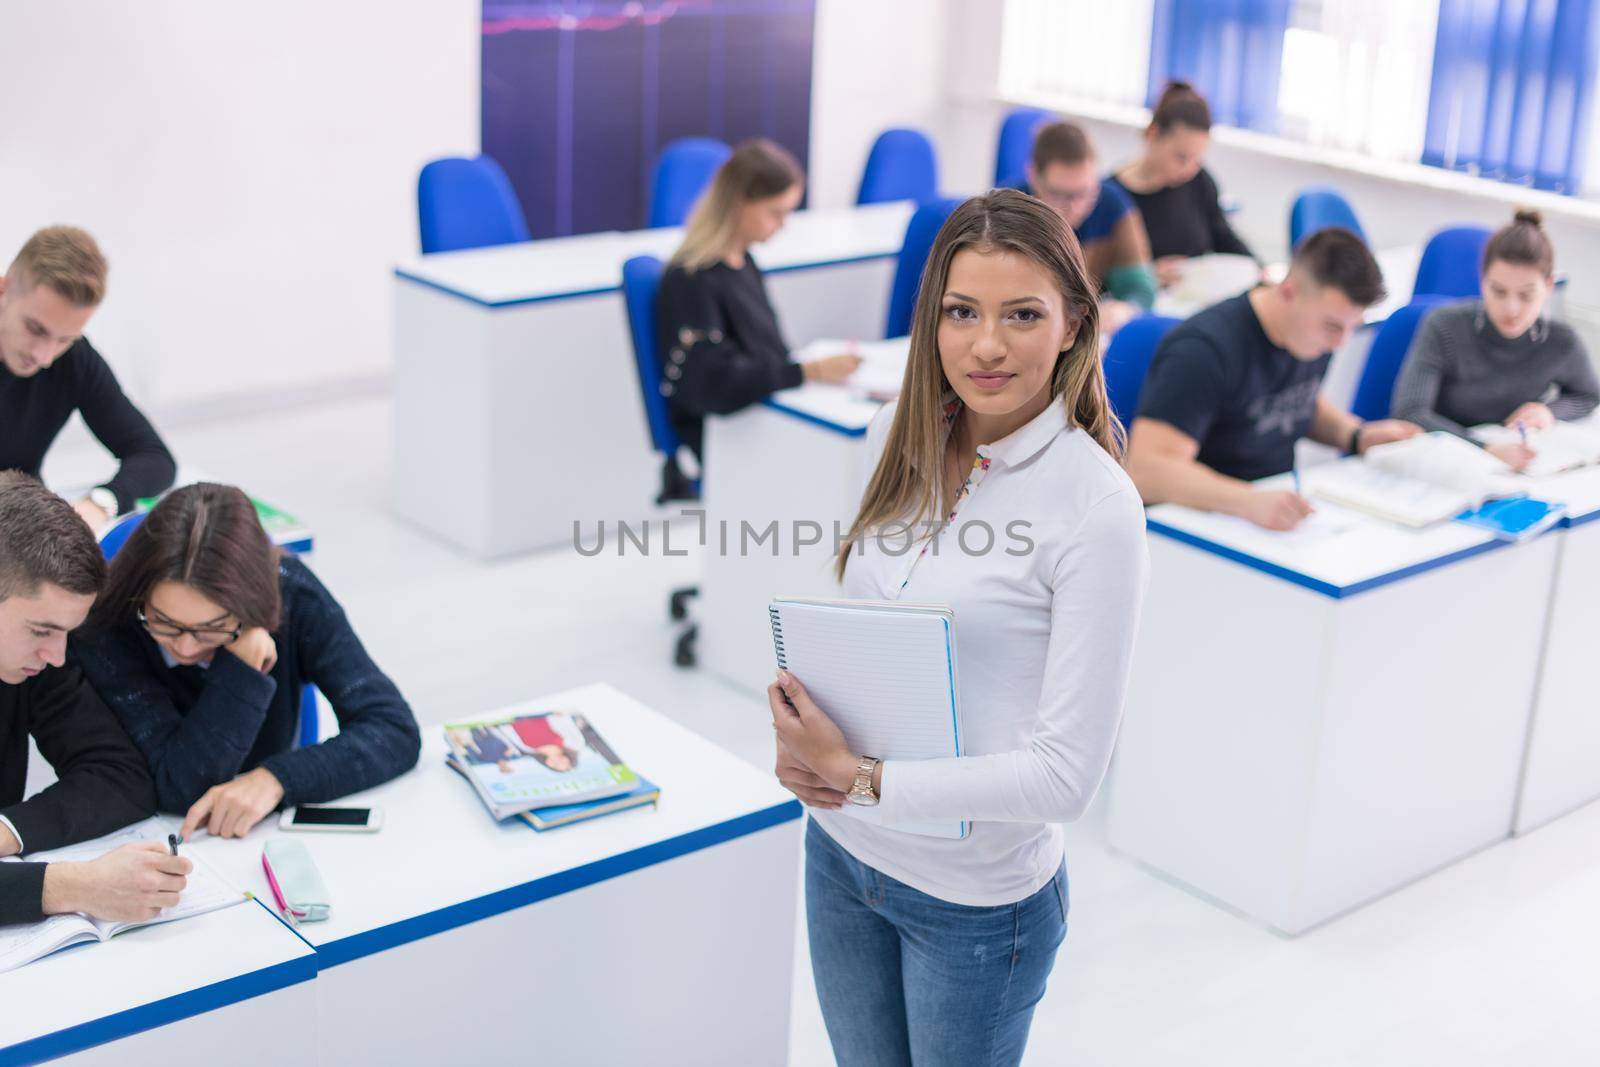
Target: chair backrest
column 1450, row 262
column 641, row 280
column 309, row 728
column 920, row 234
column 682, row 172
column 1016, row 145
column 1375, row 390
column 467, row 203
column 116, row 535
column 1127, row 359
column 901, row 166
column 1316, row 207
column 111, row 543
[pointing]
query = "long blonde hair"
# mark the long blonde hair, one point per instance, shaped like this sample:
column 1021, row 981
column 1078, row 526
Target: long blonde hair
column 906, row 486
column 757, row 170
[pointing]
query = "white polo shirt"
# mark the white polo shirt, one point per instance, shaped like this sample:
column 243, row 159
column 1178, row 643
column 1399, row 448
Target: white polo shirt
column 1045, row 625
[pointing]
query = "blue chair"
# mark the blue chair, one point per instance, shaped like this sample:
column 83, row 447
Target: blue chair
column 1127, row 359
column 920, row 234
column 1450, row 262
column 901, row 166
column 1317, row 207
column 641, row 280
column 1375, row 390
column 1016, row 145
column 682, row 172
column 467, row 203
column 111, row 543
column 116, row 536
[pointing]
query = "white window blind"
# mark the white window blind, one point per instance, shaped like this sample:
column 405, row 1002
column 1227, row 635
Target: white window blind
column 1086, row 49
column 1356, row 75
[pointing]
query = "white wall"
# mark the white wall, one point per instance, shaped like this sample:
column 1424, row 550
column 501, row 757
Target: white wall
column 876, row 64
column 249, row 169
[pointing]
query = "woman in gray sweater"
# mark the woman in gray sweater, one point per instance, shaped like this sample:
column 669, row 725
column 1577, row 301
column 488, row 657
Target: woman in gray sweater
column 1499, row 359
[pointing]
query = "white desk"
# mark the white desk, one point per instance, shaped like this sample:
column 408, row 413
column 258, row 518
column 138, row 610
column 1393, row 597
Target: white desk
column 1312, row 724
column 653, row 936
column 517, row 408
column 234, row 986
column 1562, row 768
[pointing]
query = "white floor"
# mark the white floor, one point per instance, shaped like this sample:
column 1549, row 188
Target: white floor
column 1493, row 961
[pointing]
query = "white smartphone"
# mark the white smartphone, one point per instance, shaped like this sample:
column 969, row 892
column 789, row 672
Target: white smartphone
column 340, row 820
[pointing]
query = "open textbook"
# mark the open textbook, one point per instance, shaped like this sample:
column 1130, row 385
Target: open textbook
column 206, row 891
column 536, row 759
column 883, row 363
column 1206, row 280
column 1417, row 482
column 1562, row 447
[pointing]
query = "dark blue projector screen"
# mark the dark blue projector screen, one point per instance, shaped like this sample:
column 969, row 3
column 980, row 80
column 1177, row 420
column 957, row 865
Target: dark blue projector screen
column 578, row 98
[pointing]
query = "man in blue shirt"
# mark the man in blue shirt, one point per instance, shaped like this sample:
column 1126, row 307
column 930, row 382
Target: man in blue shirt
column 1065, row 173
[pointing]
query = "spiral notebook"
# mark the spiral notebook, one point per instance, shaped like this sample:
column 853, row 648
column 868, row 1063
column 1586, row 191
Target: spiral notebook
column 885, row 673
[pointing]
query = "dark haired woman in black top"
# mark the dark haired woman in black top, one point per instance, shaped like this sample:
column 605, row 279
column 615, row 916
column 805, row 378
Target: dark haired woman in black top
column 201, row 644
column 1176, row 195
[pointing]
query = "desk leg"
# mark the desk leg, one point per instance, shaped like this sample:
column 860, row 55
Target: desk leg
column 1563, row 761
column 685, row 962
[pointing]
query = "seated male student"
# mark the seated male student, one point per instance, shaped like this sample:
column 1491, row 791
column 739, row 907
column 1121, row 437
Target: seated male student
column 50, row 571
column 1230, row 390
column 48, row 370
column 1064, row 172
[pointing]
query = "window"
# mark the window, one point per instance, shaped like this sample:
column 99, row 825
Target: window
column 1087, row 49
column 1356, row 75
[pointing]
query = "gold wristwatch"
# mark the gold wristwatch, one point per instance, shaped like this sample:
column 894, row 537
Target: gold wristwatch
column 861, row 791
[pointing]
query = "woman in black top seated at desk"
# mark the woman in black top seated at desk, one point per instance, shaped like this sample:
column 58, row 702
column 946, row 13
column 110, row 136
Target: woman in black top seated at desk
column 718, row 335
column 201, row 644
column 1176, row 195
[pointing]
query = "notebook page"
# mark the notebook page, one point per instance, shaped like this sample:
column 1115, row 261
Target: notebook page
column 26, row 942
column 1390, row 496
column 1447, row 461
column 205, row 890
column 884, row 677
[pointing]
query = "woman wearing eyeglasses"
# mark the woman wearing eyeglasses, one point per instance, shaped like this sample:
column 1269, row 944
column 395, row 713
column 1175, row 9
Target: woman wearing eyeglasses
column 201, row 644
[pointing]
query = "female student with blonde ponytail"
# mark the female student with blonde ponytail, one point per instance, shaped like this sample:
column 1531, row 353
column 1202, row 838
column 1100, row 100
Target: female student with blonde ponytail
column 716, row 329
column 936, row 951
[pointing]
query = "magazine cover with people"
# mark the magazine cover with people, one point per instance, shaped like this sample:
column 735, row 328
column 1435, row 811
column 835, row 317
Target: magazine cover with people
column 521, row 762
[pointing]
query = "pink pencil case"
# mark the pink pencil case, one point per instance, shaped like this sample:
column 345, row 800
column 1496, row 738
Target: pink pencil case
column 297, row 885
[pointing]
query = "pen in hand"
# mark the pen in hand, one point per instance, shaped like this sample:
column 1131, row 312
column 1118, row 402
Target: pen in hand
column 172, row 843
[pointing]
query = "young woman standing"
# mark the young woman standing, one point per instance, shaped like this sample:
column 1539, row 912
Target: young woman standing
column 934, row 951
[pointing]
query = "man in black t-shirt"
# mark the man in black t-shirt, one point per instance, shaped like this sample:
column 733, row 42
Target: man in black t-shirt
column 48, row 370
column 1231, row 390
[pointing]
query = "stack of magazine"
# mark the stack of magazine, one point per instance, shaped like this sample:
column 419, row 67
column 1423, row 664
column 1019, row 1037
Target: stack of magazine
column 547, row 768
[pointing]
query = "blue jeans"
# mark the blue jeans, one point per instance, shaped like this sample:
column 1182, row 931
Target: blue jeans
column 906, row 978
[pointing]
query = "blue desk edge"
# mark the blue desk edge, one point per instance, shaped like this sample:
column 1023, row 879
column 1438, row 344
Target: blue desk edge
column 401, row 272
column 162, row 1012
column 815, row 420
column 1317, row 585
column 469, row 911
